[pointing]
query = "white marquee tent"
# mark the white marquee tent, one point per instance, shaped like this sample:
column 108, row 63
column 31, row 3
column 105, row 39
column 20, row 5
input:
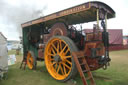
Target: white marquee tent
column 3, row 55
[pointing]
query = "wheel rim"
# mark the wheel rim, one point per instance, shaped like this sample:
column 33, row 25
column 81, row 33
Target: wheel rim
column 58, row 59
column 30, row 60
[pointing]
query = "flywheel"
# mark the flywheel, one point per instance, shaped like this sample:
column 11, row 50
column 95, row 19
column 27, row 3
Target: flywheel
column 59, row 29
column 58, row 58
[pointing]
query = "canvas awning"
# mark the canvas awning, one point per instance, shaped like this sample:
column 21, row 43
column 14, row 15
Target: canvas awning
column 79, row 14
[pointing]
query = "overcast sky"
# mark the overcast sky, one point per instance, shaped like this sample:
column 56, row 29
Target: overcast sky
column 15, row 12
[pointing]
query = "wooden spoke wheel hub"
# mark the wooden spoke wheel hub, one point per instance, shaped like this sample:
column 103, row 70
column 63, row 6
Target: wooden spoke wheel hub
column 57, row 58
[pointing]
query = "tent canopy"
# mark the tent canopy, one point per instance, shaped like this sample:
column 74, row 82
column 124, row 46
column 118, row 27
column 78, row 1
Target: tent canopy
column 3, row 53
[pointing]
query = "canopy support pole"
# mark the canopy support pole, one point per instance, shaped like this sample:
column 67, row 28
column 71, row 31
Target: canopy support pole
column 98, row 19
column 106, row 21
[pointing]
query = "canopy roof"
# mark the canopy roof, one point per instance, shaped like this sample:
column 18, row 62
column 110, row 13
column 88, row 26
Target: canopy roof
column 75, row 15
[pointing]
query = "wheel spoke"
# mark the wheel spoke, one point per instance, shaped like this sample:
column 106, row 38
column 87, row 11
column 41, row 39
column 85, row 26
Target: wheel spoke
column 31, row 60
column 52, row 59
column 58, row 46
column 53, row 51
column 66, row 66
column 61, row 69
column 50, row 54
column 64, row 69
column 66, row 52
column 58, row 68
column 53, row 63
column 67, row 56
column 69, row 62
column 54, row 47
column 55, row 66
column 63, row 49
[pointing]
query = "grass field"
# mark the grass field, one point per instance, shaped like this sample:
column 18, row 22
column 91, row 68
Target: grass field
column 116, row 74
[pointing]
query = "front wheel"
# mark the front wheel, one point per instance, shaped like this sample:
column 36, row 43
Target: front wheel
column 58, row 58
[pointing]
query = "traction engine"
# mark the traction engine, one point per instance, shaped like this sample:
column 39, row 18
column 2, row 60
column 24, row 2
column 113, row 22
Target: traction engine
column 55, row 40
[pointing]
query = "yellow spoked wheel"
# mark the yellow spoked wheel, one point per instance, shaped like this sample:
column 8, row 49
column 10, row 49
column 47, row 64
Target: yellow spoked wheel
column 58, row 58
column 30, row 60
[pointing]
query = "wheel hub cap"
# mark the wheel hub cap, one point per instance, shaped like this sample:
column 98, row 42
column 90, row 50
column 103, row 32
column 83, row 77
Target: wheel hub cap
column 57, row 58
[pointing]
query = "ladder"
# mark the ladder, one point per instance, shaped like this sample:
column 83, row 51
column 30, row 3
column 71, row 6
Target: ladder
column 83, row 67
column 24, row 61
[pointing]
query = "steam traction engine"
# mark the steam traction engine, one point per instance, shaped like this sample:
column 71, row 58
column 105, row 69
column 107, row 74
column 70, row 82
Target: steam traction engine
column 64, row 49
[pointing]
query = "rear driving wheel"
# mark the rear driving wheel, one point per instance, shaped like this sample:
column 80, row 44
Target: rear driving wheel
column 58, row 58
column 31, row 62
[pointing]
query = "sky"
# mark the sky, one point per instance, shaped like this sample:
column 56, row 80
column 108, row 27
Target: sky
column 15, row 12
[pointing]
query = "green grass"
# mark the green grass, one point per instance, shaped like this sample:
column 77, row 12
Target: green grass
column 116, row 74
